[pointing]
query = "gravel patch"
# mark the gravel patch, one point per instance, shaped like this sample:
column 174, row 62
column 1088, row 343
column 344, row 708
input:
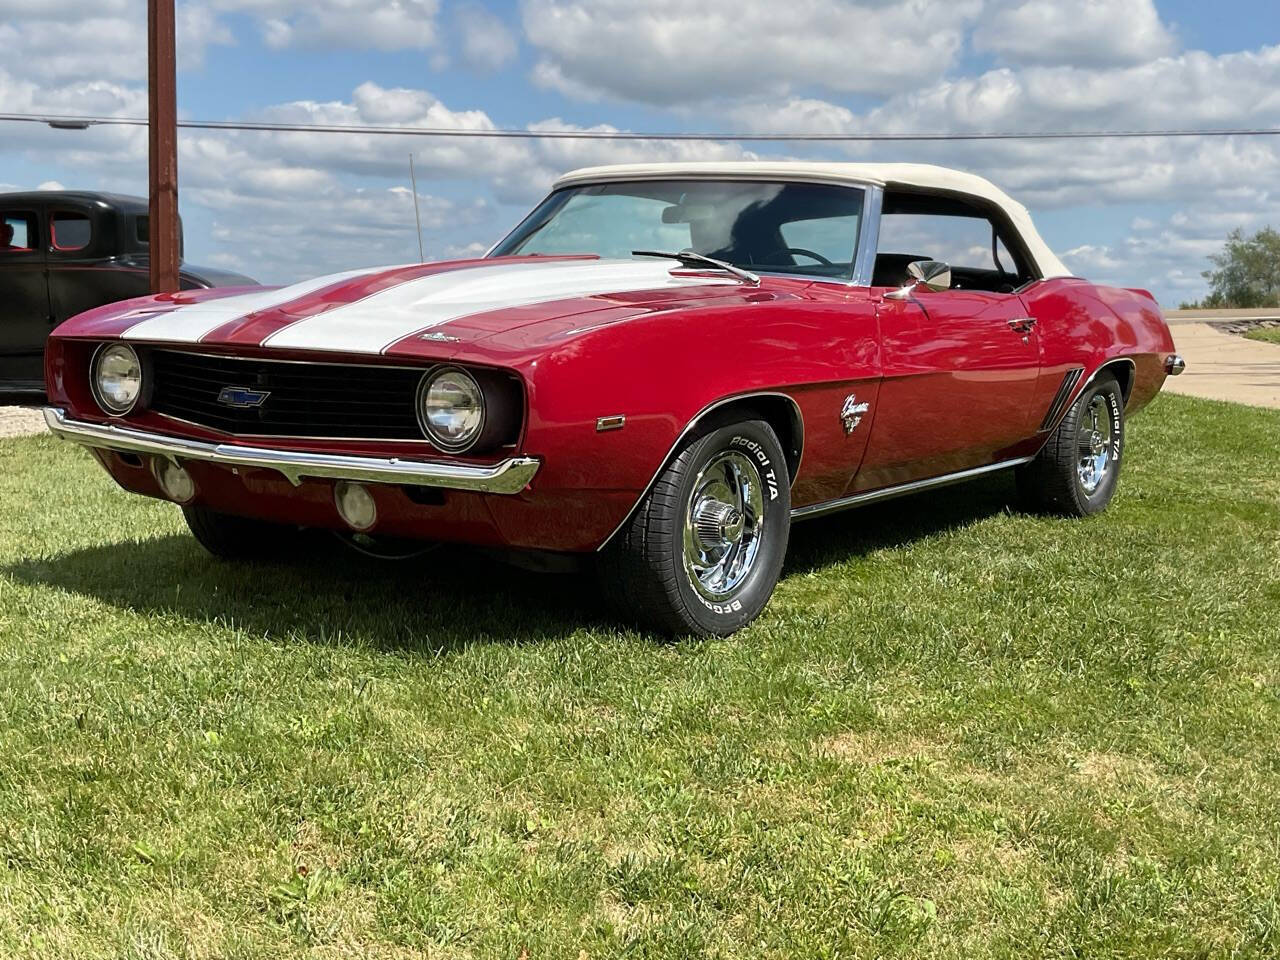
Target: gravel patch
column 1241, row 327
column 19, row 421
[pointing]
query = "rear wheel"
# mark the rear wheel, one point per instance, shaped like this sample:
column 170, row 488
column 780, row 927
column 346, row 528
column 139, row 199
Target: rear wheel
column 1077, row 470
column 704, row 549
column 239, row 538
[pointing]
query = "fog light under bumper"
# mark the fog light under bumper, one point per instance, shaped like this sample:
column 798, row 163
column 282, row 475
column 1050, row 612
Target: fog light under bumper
column 355, row 504
column 174, row 480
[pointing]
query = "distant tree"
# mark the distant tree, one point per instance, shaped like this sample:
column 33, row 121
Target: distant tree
column 1247, row 274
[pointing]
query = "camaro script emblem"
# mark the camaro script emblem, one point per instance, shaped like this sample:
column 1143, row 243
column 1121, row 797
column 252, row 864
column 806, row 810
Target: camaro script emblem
column 852, row 411
column 243, row 397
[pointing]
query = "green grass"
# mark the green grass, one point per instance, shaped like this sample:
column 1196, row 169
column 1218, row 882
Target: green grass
column 958, row 731
column 1265, row 334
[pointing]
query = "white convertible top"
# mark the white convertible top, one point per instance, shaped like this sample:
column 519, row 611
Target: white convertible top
column 921, row 175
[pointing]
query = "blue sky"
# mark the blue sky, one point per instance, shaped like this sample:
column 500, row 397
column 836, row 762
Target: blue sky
column 283, row 207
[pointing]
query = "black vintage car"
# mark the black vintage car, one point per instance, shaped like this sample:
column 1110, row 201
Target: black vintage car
column 65, row 252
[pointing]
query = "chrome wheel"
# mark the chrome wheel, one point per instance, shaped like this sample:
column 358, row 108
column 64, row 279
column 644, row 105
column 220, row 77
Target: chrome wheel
column 723, row 525
column 1094, row 436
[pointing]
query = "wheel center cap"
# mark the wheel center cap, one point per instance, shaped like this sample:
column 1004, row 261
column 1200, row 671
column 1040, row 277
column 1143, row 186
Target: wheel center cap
column 717, row 524
column 1095, row 442
column 731, row 526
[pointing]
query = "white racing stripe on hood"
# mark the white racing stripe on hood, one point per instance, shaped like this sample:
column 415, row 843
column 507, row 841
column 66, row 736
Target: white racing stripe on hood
column 373, row 324
column 188, row 324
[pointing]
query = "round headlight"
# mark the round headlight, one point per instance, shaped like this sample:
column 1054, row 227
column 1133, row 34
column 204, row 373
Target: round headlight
column 117, row 378
column 451, row 409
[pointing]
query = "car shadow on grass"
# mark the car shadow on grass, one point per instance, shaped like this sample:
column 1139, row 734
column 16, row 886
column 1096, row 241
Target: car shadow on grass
column 450, row 597
column 899, row 522
column 446, row 599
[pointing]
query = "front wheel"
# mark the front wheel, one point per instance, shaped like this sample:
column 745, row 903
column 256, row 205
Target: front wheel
column 1077, row 470
column 240, row 538
column 704, row 549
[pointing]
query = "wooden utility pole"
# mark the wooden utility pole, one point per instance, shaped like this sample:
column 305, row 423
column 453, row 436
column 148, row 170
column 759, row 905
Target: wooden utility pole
column 162, row 128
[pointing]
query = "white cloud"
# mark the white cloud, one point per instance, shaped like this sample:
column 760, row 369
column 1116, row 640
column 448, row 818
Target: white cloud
column 517, row 171
column 285, row 205
column 1080, row 32
column 72, row 41
column 1211, row 184
column 268, row 237
column 63, row 40
column 485, row 42
column 673, row 52
column 343, row 24
column 1088, row 259
column 48, row 10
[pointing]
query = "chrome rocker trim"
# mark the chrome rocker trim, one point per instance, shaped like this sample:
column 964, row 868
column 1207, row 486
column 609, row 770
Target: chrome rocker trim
column 507, row 477
column 901, row 490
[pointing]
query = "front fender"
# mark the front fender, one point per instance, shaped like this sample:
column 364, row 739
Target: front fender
column 662, row 374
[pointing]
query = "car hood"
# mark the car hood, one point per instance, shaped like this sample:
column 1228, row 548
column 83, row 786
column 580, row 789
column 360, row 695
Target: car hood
column 373, row 311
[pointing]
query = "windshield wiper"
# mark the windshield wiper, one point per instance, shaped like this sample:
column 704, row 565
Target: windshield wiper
column 691, row 258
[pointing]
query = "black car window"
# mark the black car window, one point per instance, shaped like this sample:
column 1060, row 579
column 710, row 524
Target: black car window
column 961, row 234
column 964, row 242
column 19, row 232
column 71, row 231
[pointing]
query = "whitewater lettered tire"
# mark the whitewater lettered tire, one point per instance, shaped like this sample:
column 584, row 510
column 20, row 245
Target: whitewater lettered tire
column 1076, row 472
column 702, row 552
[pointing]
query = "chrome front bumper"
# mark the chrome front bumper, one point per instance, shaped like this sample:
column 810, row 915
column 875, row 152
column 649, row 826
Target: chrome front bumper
column 508, row 476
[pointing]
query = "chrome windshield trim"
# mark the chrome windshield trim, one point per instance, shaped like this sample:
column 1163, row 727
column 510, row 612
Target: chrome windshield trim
column 864, row 265
column 737, row 176
column 506, row 477
column 901, row 490
column 872, row 198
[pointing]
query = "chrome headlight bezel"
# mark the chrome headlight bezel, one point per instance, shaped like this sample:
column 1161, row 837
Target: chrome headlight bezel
column 444, row 443
column 95, row 376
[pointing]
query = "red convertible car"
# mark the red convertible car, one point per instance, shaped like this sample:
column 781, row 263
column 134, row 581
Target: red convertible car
column 663, row 367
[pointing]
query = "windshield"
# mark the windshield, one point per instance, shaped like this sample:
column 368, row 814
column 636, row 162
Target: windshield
column 808, row 229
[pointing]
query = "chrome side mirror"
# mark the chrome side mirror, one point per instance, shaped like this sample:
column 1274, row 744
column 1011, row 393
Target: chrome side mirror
column 932, row 276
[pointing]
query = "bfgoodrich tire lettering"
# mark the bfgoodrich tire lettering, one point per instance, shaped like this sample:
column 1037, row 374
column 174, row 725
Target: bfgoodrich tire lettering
column 1077, row 470
column 704, row 549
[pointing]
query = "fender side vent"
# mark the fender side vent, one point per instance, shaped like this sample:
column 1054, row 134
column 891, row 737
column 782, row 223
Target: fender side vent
column 1060, row 398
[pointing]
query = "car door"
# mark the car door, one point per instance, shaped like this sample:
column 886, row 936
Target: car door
column 960, row 365
column 25, row 317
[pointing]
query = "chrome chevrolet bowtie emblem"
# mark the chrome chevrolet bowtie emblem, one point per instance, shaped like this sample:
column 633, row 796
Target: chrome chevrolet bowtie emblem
column 242, row 397
column 852, row 411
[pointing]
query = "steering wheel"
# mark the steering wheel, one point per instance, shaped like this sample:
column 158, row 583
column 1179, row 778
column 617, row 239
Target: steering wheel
column 803, row 252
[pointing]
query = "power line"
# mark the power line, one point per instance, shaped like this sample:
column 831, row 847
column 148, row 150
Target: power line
column 84, row 122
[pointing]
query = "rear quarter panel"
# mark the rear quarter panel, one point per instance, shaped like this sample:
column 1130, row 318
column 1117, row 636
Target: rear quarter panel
column 1081, row 324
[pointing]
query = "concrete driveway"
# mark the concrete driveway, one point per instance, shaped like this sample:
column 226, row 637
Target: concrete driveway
column 1223, row 366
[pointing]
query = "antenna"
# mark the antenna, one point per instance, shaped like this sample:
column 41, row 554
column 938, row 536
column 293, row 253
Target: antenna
column 417, row 217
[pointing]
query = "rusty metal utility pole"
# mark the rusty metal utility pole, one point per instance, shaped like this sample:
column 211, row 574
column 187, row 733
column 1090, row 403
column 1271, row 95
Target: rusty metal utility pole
column 162, row 130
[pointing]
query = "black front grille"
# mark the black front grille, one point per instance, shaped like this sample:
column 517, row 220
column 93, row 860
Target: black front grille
column 302, row 399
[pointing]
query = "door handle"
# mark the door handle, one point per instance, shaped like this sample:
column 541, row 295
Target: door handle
column 1022, row 324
